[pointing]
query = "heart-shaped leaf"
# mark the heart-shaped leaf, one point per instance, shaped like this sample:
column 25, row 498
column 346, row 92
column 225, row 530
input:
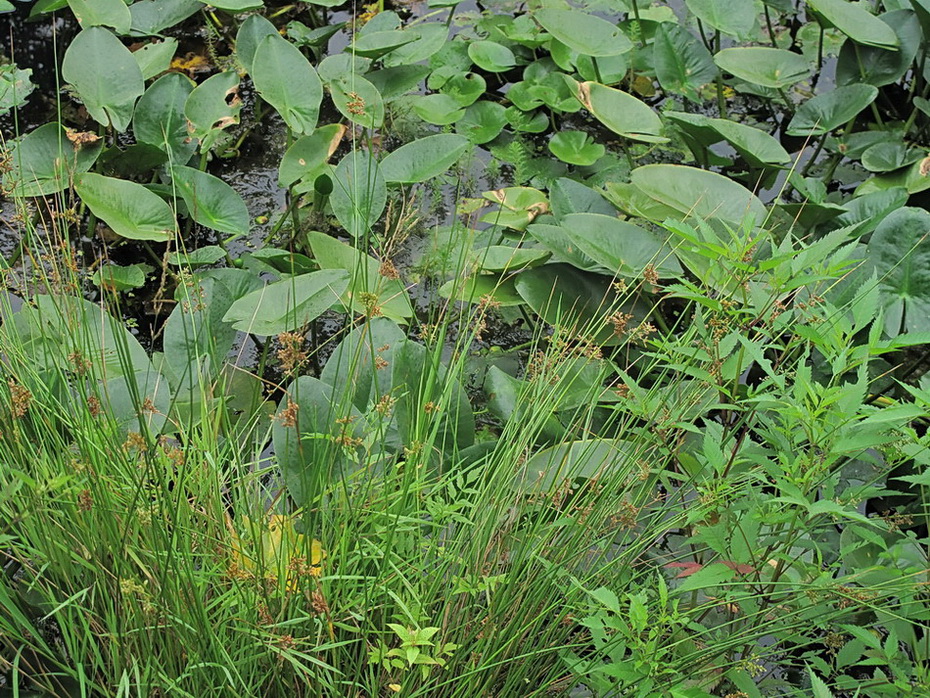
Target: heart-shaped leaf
column 105, row 75
column 576, row 148
column 825, row 112
column 160, row 120
column 130, row 209
column 584, row 33
column 491, row 56
column 44, row 161
column 286, row 80
column 761, row 65
column 359, row 193
column 900, row 251
column 306, row 159
column 358, row 100
column 210, row 201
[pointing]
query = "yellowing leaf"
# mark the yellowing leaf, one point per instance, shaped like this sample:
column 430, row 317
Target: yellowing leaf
column 274, row 548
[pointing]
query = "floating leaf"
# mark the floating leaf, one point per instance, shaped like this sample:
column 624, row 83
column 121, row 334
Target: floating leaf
column 286, row 80
column 825, row 112
column 438, row 109
column 289, row 304
column 491, row 56
column 376, row 44
column 881, row 66
column 359, row 193
column 306, row 159
column 369, row 287
column 424, row 158
column 576, row 148
column 150, row 17
column 251, row 33
column 116, row 278
column 483, row 121
column 210, row 201
column 105, row 75
column 761, row 65
column 213, row 105
column 886, row 157
column 622, row 113
column 130, row 209
column 584, row 33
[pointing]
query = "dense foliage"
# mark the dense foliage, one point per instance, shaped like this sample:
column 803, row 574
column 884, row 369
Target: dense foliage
column 649, row 420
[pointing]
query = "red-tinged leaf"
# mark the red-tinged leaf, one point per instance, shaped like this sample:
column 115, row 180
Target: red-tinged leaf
column 737, row 567
column 687, row 568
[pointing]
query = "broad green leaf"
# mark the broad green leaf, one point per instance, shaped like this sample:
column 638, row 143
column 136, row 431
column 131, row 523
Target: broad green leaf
column 465, row 88
column 621, row 112
column 423, row 158
column 517, row 206
column 482, row 122
column 890, row 156
column 576, row 148
column 155, row 58
column 105, row 75
column 213, row 105
column 734, row 17
column 397, row 81
column 44, row 161
column 289, row 304
column 438, row 109
column 368, row 290
column 251, row 33
column 757, row 147
column 116, row 278
column 150, row 17
column 376, row 44
column 358, row 100
column 568, row 196
column 196, row 340
column 577, row 301
column 15, row 86
column 130, row 209
column 430, row 38
column 286, row 80
column 762, row 65
column 584, row 459
column 699, row 193
column 900, row 251
column 881, row 66
column 500, row 258
column 202, row 256
column 491, row 56
column 210, row 201
column 110, row 13
column 364, row 360
column 682, row 63
column 422, row 380
column 306, row 159
column 855, row 21
column 584, row 33
column 825, row 112
column 478, row 286
column 160, row 121
column 619, row 246
column 359, row 193
column 307, row 444
column 237, row 5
